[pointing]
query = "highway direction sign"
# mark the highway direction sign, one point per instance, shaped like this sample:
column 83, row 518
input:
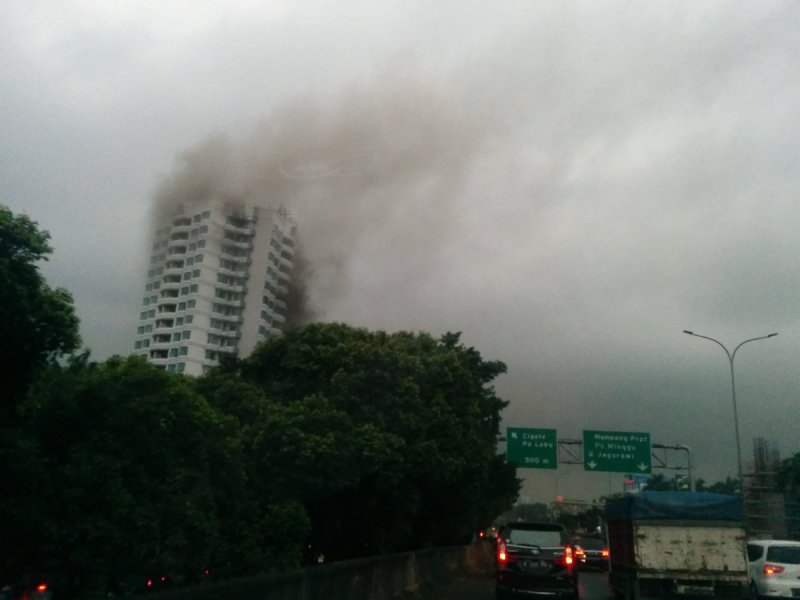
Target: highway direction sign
column 616, row 451
column 532, row 448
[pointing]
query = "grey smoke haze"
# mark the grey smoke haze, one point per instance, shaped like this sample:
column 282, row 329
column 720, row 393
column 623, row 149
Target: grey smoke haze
column 569, row 185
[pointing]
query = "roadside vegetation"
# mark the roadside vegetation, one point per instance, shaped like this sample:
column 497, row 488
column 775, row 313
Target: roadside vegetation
column 329, row 441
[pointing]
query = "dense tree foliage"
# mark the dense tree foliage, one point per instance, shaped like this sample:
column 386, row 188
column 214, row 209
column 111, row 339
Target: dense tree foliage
column 789, row 475
column 329, row 440
column 37, row 323
column 438, row 476
column 730, row 486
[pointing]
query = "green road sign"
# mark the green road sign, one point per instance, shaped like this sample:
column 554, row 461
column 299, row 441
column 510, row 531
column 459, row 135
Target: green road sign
column 616, row 451
column 532, row 448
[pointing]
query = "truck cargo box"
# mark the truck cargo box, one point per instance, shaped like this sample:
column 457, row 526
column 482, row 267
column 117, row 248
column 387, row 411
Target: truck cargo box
column 682, row 506
column 664, row 543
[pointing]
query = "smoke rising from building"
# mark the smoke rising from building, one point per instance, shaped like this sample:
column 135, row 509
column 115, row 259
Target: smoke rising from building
column 385, row 163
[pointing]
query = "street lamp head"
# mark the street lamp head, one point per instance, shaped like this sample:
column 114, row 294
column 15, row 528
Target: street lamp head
column 689, row 332
column 772, row 335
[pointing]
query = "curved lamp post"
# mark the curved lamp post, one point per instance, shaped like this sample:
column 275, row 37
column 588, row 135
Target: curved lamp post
column 731, row 356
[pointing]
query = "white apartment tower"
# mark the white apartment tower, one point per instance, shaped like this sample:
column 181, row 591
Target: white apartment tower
column 217, row 283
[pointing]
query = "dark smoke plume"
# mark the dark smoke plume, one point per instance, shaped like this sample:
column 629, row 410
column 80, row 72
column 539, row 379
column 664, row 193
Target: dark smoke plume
column 381, row 164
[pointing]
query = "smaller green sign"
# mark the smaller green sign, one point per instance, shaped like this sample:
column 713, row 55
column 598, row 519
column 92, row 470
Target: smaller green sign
column 532, row 448
column 616, row 451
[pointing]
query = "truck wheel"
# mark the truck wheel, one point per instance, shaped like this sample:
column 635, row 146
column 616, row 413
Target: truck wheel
column 752, row 592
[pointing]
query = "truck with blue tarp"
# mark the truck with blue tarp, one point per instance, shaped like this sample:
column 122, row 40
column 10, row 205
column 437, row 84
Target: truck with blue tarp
column 676, row 543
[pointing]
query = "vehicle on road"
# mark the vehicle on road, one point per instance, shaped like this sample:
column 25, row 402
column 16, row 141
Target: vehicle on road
column 535, row 559
column 664, row 544
column 774, row 568
column 591, row 553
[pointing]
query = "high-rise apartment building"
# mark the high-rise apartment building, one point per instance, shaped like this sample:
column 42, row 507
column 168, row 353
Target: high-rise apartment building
column 217, row 283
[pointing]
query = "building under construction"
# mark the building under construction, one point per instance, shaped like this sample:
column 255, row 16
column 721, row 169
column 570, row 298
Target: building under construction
column 771, row 513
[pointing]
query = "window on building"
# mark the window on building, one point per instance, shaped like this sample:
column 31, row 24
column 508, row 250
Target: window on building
column 196, row 273
column 173, row 352
column 191, row 303
column 176, row 337
column 187, row 275
column 186, row 334
column 137, row 345
column 182, row 306
column 193, row 289
column 183, row 351
column 188, row 319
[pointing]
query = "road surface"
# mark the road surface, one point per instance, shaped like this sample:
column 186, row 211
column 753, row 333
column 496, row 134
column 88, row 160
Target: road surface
column 593, row 585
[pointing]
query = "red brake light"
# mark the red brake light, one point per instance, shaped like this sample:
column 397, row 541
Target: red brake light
column 42, row 587
column 772, row 569
column 502, row 555
column 568, row 556
column 604, row 553
column 579, row 551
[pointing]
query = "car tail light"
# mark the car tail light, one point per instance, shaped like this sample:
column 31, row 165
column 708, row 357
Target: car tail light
column 772, row 569
column 502, row 554
column 604, row 553
column 42, row 587
column 568, row 559
column 579, row 551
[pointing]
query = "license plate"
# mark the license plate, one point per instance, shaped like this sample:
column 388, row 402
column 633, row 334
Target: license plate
column 532, row 564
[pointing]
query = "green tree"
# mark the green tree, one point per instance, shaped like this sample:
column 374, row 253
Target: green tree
column 789, row 474
column 37, row 323
column 659, row 483
column 431, row 399
column 137, row 475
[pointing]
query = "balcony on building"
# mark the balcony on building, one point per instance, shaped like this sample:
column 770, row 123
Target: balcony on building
column 174, row 265
column 181, row 222
column 287, row 252
column 238, row 225
column 164, row 323
column 161, row 339
column 167, row 308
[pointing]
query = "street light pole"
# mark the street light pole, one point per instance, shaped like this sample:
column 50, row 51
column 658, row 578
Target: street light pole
column 731, row 356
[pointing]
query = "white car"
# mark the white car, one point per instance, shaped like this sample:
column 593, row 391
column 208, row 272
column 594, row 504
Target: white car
column 774, row 568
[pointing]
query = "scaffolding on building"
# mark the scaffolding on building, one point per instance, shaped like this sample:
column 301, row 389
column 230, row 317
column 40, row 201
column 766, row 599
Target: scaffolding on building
column 770, row 512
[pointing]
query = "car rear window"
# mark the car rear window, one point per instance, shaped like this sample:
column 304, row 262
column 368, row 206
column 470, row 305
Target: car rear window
column 591, row 543
column 754, row 552
column 788, row 555
column 532, row 537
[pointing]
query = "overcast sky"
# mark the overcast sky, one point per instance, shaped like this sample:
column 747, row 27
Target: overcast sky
column 570, row 184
